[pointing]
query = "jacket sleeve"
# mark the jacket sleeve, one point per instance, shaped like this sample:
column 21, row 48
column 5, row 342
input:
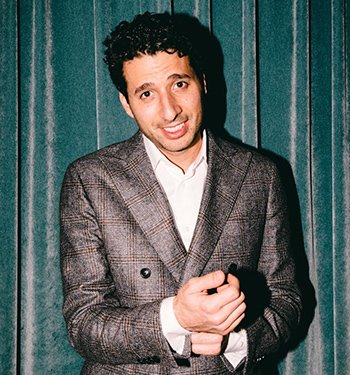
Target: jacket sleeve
column 99, row 328
column 280, row 317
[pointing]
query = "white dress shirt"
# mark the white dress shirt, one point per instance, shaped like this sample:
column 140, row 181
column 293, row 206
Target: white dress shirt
column 184, row 192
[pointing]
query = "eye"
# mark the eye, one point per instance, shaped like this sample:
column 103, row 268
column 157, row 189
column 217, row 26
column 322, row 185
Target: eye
column 181, row 84
column 145, row 94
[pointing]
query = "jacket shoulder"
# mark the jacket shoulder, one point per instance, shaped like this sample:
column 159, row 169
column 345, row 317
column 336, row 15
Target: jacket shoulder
column 115, row 153
column 235, row 150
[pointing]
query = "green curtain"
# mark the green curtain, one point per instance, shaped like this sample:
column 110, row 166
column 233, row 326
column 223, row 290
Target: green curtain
column 286, row 71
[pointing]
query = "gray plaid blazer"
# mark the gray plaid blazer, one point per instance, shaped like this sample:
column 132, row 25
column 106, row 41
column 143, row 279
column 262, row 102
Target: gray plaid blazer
column 121, row 255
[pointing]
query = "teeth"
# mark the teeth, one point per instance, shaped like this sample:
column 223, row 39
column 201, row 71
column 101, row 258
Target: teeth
column 174, row 128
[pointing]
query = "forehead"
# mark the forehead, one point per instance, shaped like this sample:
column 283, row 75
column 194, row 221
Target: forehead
column 156, row 68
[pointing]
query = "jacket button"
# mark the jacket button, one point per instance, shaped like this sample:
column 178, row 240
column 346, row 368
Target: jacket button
column 145, row 273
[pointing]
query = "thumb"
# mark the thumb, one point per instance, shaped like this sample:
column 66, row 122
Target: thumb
column 209, row 281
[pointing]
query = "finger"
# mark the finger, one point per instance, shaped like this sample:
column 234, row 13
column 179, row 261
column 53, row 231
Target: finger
column 206, row 338
column 228, row 293
column 233, row 320
column 191, row 306
column 235, row 324
column 233, row 280
column 225, row 320
column 206, row 343
column 219, row 306
column 203, row 283
column 230, row 281
column 210, row 350
column 220, row 312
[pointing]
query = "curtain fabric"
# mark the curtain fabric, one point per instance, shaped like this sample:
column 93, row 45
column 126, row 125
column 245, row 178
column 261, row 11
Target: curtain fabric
column 285, row 69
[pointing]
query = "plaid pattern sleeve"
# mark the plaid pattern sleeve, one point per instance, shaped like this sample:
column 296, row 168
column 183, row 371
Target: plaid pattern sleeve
column 102, row 326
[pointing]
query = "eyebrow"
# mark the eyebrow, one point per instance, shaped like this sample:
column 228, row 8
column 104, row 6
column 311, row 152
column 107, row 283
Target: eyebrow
column 143, row 87
column 147, row 85
column 179, row 76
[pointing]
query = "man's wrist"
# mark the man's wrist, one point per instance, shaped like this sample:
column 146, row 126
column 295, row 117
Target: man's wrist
column 172, row 330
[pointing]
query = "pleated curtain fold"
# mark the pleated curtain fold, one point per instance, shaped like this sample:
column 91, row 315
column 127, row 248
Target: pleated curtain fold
column 285, row 90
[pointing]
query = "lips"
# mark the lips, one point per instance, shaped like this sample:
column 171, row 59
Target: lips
column 174, row 132
column 174, row 129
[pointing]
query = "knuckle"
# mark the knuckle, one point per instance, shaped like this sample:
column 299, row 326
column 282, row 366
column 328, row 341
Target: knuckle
column 224, row 328
column 234, row 293
column 216, row 321
column 237, row 293
column 191, row 282
column 217, row 350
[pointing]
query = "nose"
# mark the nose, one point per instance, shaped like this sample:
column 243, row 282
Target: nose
column 169, row 107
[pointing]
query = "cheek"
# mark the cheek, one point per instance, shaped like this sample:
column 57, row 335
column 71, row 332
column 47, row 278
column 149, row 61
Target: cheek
column 195, row 102
column 197, row 107
column 144, row 114
column 145, row 119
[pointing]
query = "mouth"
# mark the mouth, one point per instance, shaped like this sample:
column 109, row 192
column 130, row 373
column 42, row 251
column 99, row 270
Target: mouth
column 174, row 129
column 175, row 132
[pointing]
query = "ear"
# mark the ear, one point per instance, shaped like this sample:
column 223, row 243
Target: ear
column 125, row 105
column 205, row 84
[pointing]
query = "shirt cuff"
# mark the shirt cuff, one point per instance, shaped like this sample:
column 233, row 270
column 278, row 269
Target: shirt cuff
column 237, row 347
column 172, row 330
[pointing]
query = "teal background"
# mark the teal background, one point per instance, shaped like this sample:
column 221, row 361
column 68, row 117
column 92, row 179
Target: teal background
column 286, row 69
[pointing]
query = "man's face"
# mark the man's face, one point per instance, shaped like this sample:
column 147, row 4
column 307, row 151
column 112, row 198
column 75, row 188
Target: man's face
column 165, row 99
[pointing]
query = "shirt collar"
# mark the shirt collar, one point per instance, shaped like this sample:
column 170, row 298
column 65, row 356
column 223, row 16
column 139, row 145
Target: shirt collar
column 156, row 156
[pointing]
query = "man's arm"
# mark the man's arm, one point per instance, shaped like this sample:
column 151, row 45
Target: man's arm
column 99, row 328
column 280, row 317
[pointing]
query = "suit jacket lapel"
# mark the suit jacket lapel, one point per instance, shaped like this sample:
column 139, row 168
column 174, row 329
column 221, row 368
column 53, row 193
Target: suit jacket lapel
column 227, row 168
column 135, row 180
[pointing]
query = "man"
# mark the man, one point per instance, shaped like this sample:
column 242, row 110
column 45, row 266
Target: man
column 163, row 235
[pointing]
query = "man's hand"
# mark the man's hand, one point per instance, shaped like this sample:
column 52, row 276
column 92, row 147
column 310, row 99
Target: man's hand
column 218, row 313
column 207, row 343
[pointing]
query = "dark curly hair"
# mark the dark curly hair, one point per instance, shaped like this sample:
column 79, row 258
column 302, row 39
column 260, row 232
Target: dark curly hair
column 148, row 34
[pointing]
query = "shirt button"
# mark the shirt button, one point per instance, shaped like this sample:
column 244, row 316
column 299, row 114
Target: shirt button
column 145, row 273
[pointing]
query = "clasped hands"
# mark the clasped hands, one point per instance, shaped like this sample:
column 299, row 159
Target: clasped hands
column 210, row 316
